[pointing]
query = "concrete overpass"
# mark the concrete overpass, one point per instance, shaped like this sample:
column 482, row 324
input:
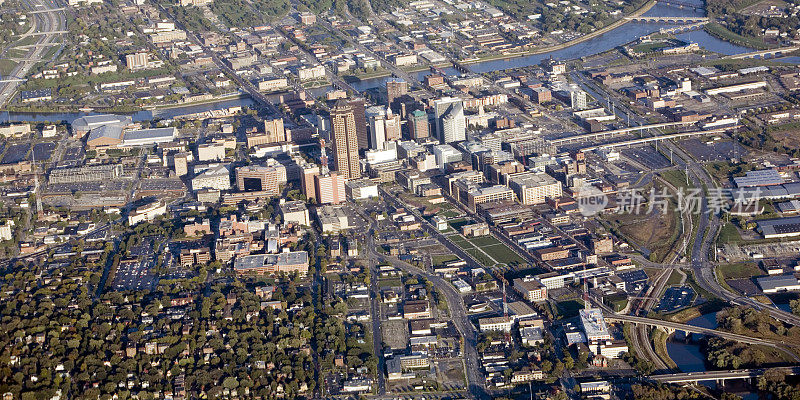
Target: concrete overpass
column 615, row 132
column 655, row 139
column 763, row 53
column 45, row 11
column 669, row 20
column 675, row 326
column 720, row 376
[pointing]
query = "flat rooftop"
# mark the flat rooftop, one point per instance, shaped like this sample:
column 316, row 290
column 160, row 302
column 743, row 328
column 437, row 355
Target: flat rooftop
column 264, row 260
column 593, row 323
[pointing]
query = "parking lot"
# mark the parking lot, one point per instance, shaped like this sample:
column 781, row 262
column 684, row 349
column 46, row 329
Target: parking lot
column 134, row 275
column 16, row 153
column 647, row 156
column 722, row 150
column 43, row 151
column 675, row 298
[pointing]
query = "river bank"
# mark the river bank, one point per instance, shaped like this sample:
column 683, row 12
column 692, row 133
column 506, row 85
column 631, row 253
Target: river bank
column 549, row 49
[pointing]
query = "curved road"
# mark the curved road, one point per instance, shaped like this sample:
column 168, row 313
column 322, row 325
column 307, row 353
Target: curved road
column 49, row 19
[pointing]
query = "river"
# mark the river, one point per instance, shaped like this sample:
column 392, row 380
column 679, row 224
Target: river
column 602, row 43
column 686, row 353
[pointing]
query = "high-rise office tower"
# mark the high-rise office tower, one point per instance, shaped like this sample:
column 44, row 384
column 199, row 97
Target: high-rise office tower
column 344, row 139
column 418, row 124
column 309, row 171
column 329, row 188
column 359, row 114
column 274, row 130
column 383, row 126
column 395, row 88
column 451, row 125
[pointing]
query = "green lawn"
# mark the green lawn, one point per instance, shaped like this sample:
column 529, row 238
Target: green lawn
column 674, row 278
column 482, row 241
column 441, row 260
column 740, row 270
column 720, row 32
column 675, row 177
column 651, row 47
column 729, row 234
column 448, row 214
column 6, row 66
column 491, row 246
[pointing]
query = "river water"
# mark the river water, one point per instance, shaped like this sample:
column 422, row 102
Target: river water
column 602, row 43
column 686, row 351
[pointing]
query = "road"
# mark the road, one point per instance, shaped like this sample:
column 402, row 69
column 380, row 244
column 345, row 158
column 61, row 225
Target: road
column 375, row 308
column 717, row 375
column 458, row 311
column 704, row 331
column 243, row 84
column 50, row 21
column 703, row 268
column 458, row 314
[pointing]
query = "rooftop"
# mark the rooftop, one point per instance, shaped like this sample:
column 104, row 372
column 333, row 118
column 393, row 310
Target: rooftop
column 774, row 282
column 593, row 323
column 764, row 177
column 263, row 260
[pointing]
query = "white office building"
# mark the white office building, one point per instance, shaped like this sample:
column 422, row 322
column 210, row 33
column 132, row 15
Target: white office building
column 451, row 125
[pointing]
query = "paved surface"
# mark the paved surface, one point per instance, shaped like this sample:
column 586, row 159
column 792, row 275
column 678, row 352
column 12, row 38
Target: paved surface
column 49, row 21
column 715, row 375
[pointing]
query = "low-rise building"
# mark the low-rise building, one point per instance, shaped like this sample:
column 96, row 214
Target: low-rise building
column 147, row 212
column 260, row 264
column 501, row 324
column 295, row 212
column 530, row 289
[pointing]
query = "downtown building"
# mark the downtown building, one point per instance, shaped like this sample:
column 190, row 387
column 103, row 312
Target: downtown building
column 451, row 125
column 344, row 140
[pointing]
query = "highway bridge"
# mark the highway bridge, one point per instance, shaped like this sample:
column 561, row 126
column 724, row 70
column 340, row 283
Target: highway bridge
column 720, row 376
column 764, row 53
column 46, row 10
column 669, row 20
column 675, row 326
column 604, row 134
column 655, row 139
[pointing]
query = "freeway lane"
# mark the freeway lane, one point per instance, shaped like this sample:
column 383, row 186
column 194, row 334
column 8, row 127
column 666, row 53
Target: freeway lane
column 49, row 21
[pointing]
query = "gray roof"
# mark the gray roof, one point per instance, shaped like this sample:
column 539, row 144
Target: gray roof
column 93, row 121
column 151, row 135
column 111, row 131
column 778, row 226
column 261, row 260
column 764, row 177
column 776, row 282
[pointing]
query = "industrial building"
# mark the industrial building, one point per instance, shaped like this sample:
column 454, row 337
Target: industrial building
column 779, row 227
column 778, row 283
column 764, row 177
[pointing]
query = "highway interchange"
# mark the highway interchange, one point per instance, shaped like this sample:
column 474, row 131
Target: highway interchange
column 50, row 22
